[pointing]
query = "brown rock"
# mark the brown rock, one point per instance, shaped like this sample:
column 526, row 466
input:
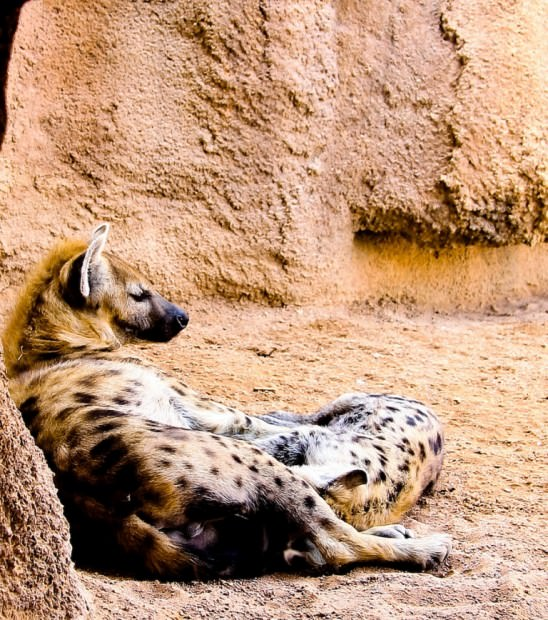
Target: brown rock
column 37, row 578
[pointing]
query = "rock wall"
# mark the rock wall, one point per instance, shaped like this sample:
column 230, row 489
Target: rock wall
column 37, row 578
column 271, row 150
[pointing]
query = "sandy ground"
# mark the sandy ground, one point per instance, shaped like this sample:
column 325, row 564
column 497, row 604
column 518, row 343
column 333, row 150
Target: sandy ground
column 486, row 377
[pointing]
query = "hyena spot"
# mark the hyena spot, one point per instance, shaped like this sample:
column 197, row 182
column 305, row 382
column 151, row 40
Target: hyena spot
column 106, row 427
column 86, row 383
column 381, row 477
column 66, row 413
column 99, row 412
column 309, row 502
column 325, row 523
column 106, row 446
column 84, row 398
column 111, row 452
column 29, row 409
column 436, row 444
column 111, row 372
column 168, row 449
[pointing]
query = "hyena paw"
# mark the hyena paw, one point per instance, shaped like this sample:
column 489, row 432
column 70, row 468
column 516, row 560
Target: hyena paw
column 427, row 552
column 391, row 531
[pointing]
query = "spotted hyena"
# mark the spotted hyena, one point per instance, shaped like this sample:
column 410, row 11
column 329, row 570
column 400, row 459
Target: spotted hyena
column 157, row 478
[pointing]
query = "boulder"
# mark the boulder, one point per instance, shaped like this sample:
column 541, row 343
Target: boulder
column 37, row 577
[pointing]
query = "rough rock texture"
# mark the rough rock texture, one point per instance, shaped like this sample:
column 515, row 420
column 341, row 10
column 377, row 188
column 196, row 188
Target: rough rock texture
column 9, row 17
column 37, row 578
column 266, row 149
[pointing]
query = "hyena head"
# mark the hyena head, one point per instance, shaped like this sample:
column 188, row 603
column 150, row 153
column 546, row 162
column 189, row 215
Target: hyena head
column 103, row 284
column 83, row 299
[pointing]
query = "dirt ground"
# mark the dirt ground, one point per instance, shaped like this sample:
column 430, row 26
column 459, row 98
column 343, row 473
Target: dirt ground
column 487, row 378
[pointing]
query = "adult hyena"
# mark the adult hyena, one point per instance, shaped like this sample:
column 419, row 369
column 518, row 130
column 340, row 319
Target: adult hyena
column 194, row 500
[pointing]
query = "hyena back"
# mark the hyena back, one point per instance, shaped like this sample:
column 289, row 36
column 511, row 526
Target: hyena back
column 193, row 501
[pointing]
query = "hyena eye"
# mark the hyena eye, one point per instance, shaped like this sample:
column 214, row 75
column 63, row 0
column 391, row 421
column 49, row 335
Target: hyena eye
column 141, row 295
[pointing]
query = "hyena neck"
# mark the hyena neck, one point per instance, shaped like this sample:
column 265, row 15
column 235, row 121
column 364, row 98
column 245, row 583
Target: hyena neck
column 44, row 329
column 55, row 343
column 49, row 340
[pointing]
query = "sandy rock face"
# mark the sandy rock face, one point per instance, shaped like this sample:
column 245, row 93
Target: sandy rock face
column 37, row 578
column 250, row 149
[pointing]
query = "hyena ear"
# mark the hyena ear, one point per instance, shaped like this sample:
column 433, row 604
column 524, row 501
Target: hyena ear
column 92, row 255
column 348, row 480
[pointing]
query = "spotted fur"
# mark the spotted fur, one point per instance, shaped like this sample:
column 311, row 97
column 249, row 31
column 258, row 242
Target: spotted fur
column 159, row 479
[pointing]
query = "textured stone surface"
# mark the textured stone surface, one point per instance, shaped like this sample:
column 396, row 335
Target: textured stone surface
column 253, row 149
column 9, row 17
column 37, row 578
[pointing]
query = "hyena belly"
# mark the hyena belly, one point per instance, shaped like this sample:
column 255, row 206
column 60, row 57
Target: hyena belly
column 397, row 442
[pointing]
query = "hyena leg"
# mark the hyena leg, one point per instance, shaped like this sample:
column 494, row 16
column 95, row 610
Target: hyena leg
column 220, row 420
column 395, row 530
column 340, row 544
column 363, row 405
column 285, row 418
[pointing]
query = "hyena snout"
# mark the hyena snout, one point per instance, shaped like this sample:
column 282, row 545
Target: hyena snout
column 166, row 320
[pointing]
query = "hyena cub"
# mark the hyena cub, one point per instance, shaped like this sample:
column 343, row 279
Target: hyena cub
column 155, row 477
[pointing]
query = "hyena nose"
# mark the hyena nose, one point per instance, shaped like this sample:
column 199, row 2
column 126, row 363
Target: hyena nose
column 182, row 319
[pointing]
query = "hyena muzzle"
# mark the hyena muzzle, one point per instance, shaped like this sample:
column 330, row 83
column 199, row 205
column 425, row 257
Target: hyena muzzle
column 156, row 478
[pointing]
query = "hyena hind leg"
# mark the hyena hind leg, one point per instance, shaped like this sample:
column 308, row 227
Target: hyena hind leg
column 340, row 544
